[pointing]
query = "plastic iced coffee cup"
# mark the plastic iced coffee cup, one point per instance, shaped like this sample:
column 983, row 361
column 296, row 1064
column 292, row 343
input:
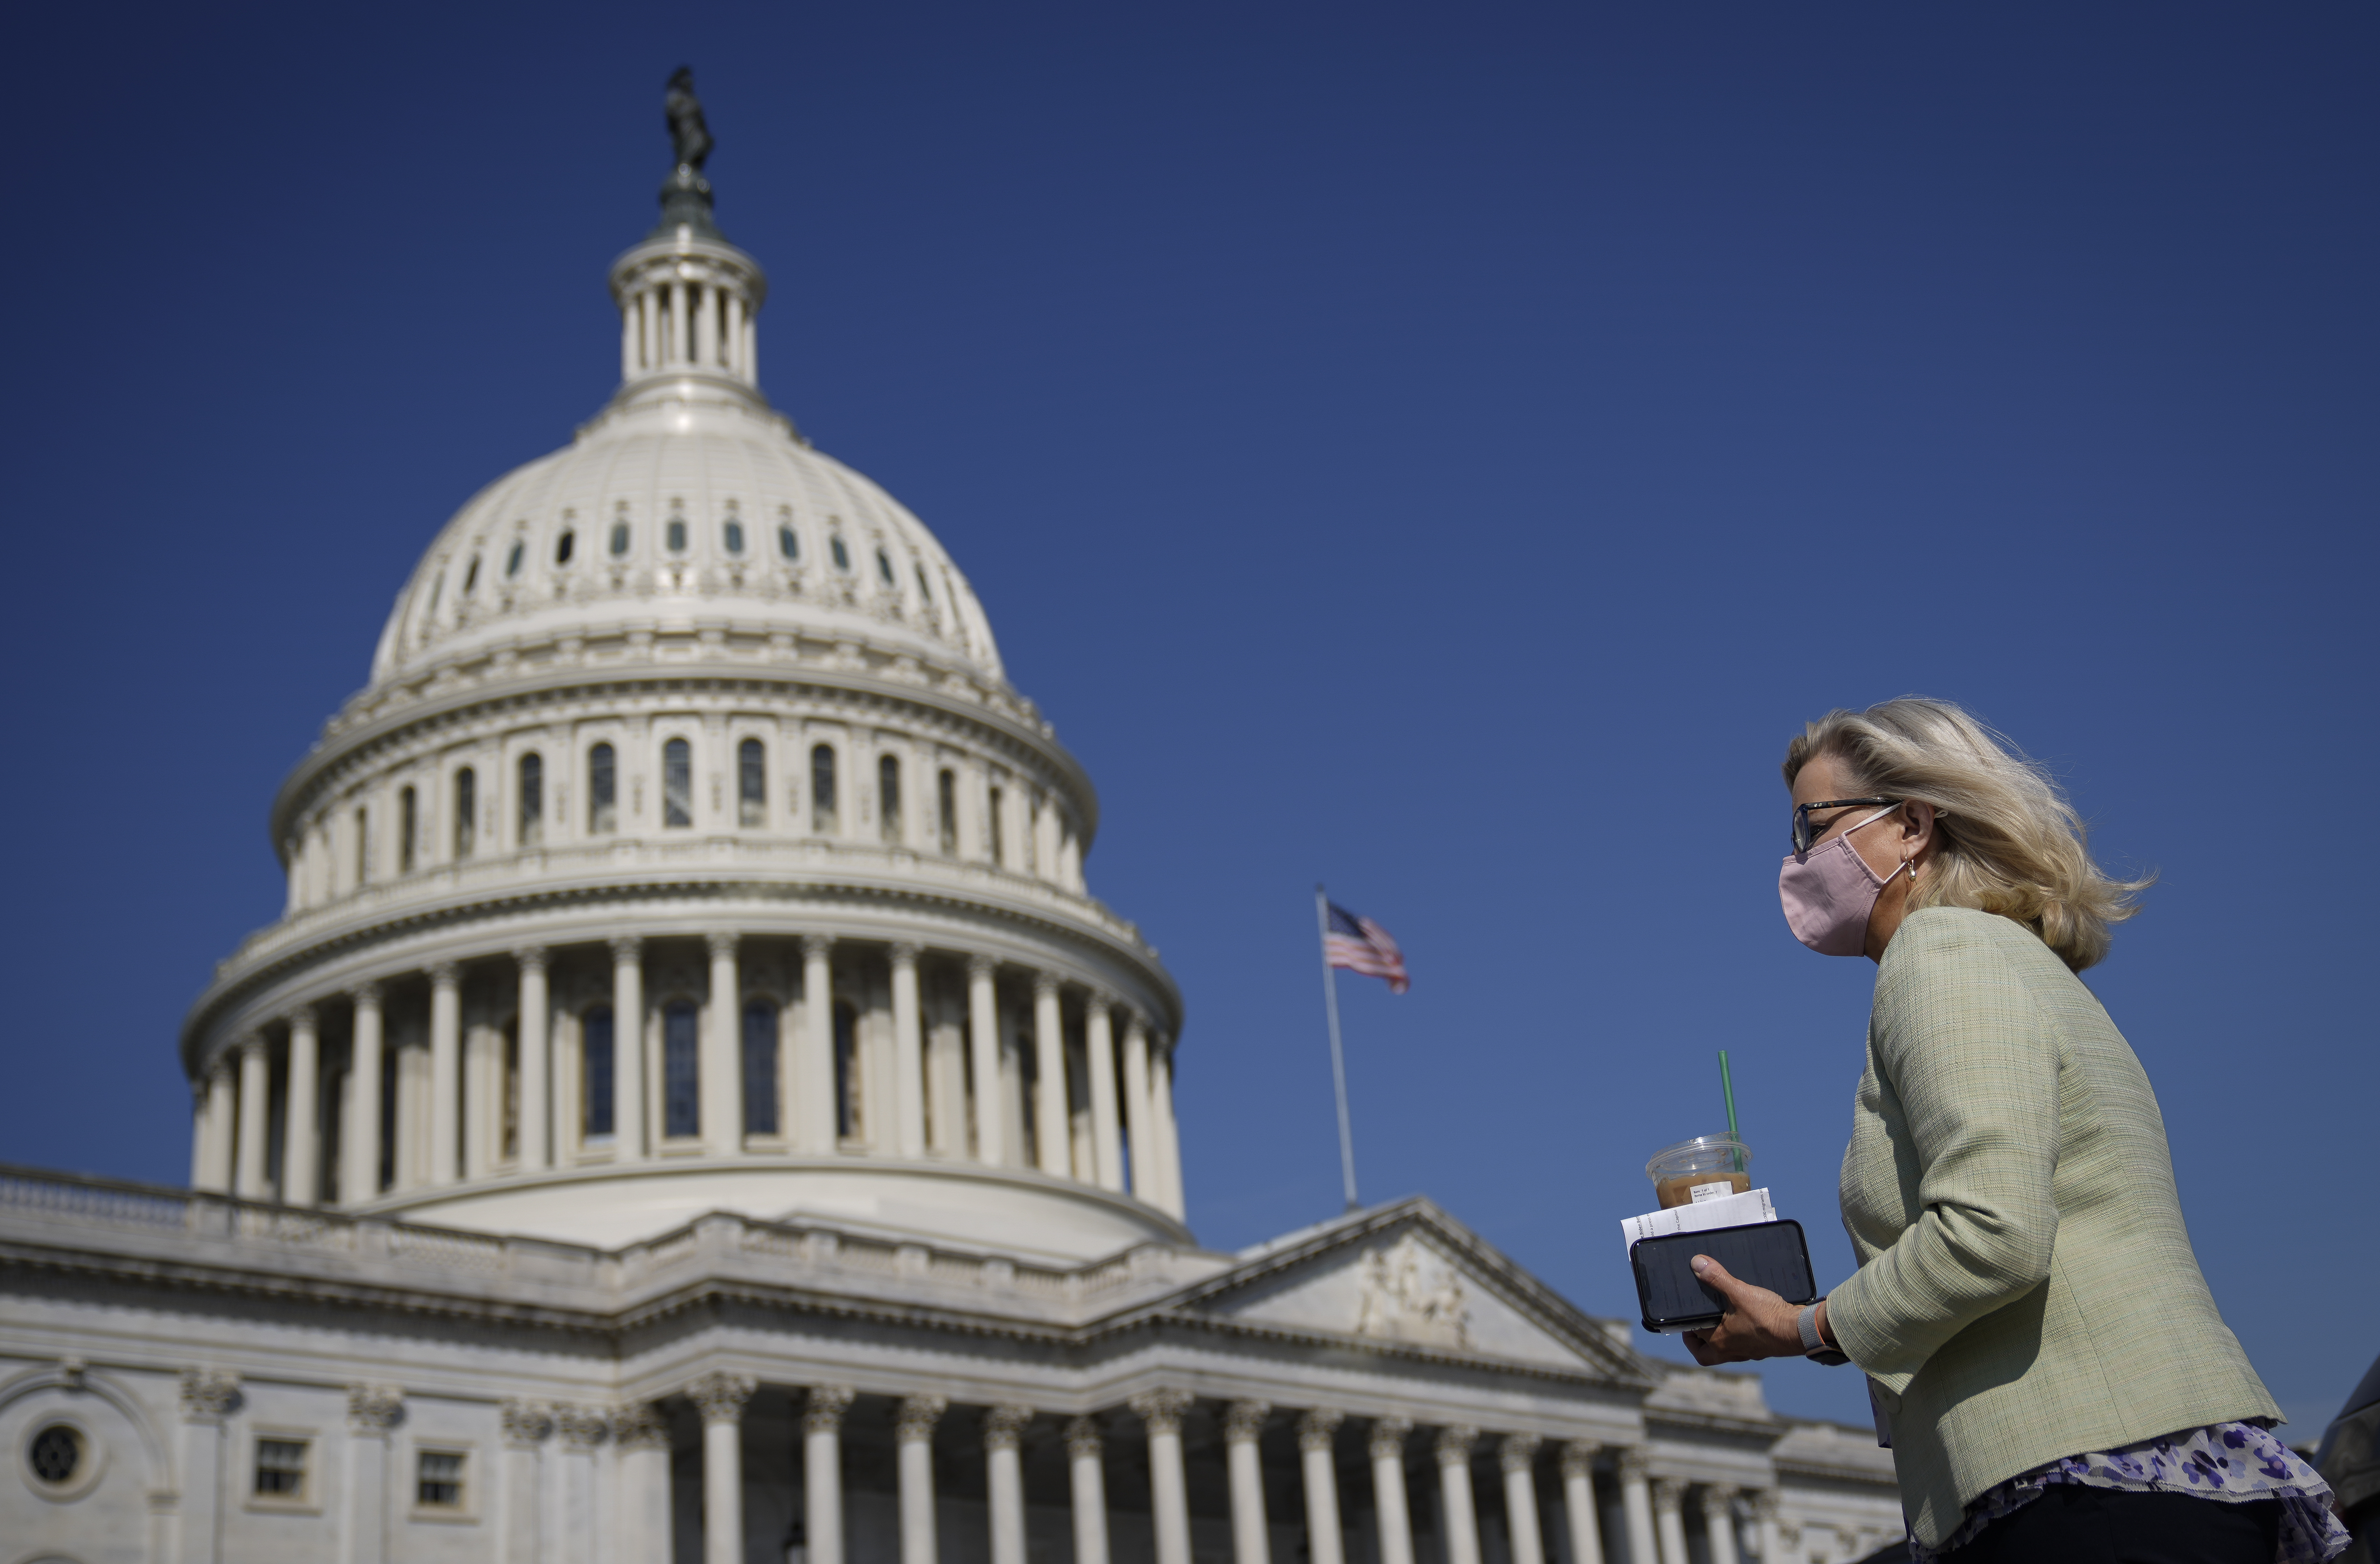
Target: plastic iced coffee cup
column 1706, row 1168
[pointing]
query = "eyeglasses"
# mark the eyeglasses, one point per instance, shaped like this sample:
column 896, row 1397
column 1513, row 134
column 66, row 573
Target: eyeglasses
column 1806, row 836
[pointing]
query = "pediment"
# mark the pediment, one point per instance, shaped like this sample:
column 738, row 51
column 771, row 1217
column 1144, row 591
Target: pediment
column 1415, row 1282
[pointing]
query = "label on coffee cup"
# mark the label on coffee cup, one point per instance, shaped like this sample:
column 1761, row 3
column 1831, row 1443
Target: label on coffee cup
column 1719, row 1191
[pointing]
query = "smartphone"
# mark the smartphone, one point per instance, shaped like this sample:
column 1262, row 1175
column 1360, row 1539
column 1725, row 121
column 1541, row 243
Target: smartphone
column 1770, row 1254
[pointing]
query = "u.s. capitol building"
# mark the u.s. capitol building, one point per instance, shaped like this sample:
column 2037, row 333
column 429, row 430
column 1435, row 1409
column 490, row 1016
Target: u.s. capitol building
column 693, row 1111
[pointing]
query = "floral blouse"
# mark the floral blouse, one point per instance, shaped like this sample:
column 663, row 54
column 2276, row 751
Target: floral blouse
column 2237, row 1463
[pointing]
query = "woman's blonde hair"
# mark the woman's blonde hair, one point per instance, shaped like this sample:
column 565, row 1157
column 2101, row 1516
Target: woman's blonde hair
column 2006, row 840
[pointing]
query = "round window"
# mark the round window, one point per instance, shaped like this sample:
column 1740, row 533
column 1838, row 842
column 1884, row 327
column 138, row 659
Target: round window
column 56, row 1455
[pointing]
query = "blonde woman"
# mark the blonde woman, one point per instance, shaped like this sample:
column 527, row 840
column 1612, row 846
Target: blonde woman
column 2043, row 1353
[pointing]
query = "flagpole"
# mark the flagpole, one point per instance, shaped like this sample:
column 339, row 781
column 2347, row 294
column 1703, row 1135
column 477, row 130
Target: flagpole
column 1338, row 1057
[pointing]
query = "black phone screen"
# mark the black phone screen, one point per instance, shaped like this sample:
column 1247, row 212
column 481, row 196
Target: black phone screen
column 1770, row 1254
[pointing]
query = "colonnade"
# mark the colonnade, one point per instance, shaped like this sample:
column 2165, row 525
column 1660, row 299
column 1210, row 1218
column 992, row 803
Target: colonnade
column 1653, row 1532
column 910, row 1052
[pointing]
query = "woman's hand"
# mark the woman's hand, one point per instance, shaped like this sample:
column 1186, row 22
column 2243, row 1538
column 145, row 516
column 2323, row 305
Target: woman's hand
column 1758, row 1323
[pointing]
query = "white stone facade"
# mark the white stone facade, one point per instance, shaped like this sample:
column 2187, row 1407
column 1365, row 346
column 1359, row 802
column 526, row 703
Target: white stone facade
column 693, row 1108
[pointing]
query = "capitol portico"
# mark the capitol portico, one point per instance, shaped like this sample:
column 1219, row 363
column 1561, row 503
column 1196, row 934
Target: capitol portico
column 692, row 1108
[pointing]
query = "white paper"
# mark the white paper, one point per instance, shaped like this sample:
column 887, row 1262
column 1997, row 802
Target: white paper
column 1734, row 1211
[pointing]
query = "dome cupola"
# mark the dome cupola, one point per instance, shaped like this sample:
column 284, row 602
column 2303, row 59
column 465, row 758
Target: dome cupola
column 688, row 849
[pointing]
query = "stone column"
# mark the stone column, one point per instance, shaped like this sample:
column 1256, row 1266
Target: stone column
column 722, row 1052
column 446, row 1073
column 822, row 1469
column 1636, row 1503
column 536, row 1061
column 1578, row 1502
column 1169, row 1134
column 1242, row 1425
column 983, row 1056
column 912, row 1433
column 524, row 1427
column 1454, row 1443
column 1146, row 1179
column 1765, row 1505
column 198, row 1135
column 1387, row 1443
column 223, row 1112
column 1169, row 1500
column 359, row 1135
column 908, row 1056
column 255, row 1105
column 1518, row 1455
column 1668, row 1494
column 1052, row 1129
column 1107, row 1144
column 628, row 1113
column 372, row 1410
column 571, row 1523
column 642, row 1510
column 207, row 1398
column 301, row 1121
column 814, row 1074
column 1003, row 1431
column 1085, row 1446
column 719, row 1397
column 1719, row 1522
column 1317, row 1436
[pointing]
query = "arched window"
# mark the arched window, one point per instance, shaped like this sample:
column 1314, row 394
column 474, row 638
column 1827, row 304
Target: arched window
column 884, row 566
column 924, row 591
column 595, row 1055
column 466, row 810
column 532, row 798
column 513, row 559
column 602, row 790
column 409, row 820
column 619, row 539
column 842, row 555
column 788, row 544
column 751, row 783
column 677, row 784
column 677, row 535
column 562, row 547
column 822, row 816
column 946, row 808
column 471, row 576
column 846, row 1072
column 999, row 842
column 363, row 847
column 888, row 796
column 681, row 1070
column 760, row 1068
column 735, row 537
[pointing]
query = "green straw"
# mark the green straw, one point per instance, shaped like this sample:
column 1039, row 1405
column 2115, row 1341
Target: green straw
column 1727, row 1086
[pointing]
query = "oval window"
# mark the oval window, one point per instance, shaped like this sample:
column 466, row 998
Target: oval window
column 735, row 537
column 842, row 555
column 884, row 566
column 619, row 537
column 512, row 561
column 787, row 544
column 562, row 547
column 55, row 1454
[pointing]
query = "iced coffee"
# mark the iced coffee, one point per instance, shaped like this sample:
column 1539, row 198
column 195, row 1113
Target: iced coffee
column 1706, row 1168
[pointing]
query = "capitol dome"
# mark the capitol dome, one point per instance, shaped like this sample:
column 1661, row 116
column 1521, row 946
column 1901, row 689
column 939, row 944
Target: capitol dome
column 689, row 850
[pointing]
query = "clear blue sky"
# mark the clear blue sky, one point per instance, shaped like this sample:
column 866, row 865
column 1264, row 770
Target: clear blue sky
column 1445, row 451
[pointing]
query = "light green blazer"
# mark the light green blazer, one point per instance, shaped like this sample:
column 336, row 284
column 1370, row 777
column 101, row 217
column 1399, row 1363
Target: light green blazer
column 2026, row 1289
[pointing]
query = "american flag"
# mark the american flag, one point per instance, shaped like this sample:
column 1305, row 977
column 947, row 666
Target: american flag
column 1362, row 946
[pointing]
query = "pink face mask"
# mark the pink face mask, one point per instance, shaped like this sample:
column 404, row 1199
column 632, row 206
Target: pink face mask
column 1830, row 892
